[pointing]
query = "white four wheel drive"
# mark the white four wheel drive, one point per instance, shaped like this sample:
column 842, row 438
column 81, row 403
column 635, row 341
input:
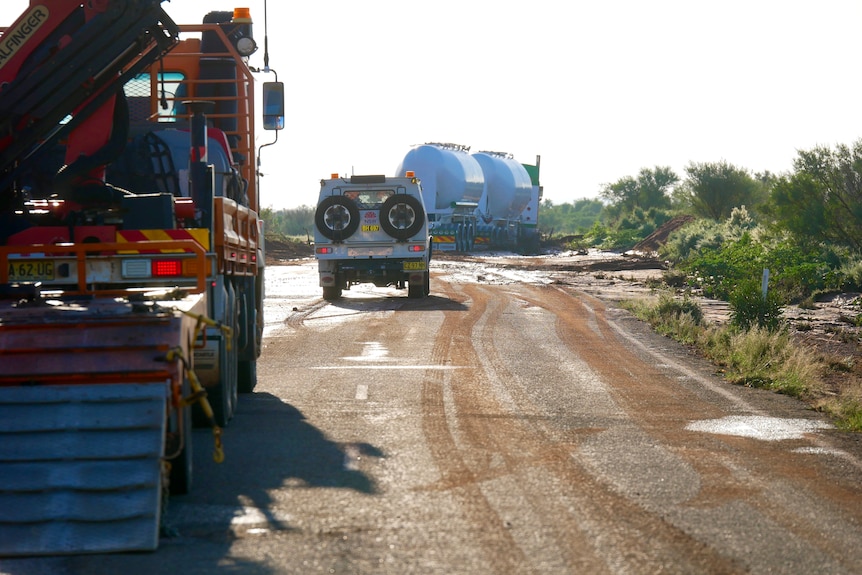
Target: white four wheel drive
column 372, row 229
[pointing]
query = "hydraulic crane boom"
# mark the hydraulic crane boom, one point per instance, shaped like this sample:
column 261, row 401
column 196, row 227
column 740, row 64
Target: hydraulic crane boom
column 62, row 64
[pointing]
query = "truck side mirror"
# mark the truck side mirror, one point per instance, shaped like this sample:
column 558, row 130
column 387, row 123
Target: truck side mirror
column 273, row 106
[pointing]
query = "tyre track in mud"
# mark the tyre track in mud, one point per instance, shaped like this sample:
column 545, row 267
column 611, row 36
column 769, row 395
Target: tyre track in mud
column 730, row 470
column 503, row 555
column 584, row 525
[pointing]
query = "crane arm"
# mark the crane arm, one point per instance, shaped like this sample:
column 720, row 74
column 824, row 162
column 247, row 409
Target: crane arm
column 62, row 64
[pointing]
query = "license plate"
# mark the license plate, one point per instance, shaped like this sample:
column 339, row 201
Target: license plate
column 414, row 266
column 370, row 228
column 31, row 271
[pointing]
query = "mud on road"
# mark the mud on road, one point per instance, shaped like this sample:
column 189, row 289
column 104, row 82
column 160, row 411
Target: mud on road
column 559, row 434
column 830, row 327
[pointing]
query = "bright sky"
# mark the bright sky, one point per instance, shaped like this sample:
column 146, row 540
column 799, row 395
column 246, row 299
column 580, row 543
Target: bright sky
column 598, row 89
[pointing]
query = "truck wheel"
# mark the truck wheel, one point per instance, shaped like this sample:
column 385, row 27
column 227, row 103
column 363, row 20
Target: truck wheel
column 402, row 216
column 233, row 354
column 223, row 397
column 246, row 376
column 336, row 217
column 181, row 465
column 331, row 293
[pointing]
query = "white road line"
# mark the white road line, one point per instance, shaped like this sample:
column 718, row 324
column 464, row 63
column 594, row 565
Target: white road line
column 339, row 367
column 362, row 391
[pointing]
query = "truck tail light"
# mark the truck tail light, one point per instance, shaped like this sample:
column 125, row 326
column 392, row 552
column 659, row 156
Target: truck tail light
column 323, row 250
column 143, row 268
column 190, row 267
column 416, row 248
column 167, row 268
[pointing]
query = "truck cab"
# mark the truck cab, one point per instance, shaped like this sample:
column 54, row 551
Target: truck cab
column 372, row 229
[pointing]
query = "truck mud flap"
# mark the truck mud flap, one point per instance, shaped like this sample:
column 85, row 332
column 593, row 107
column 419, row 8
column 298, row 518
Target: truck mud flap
column 80, row 468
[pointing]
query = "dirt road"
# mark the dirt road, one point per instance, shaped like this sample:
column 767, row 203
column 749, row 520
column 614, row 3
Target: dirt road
column 506, row 424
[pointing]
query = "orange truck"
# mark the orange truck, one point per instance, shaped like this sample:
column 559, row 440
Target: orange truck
column 131, row 262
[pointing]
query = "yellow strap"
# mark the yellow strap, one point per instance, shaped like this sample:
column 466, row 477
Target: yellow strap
column 202, row 319
column 199, row 395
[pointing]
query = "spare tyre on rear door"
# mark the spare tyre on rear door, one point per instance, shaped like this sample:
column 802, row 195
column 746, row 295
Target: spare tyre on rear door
column 402, row 216
column 336, row 217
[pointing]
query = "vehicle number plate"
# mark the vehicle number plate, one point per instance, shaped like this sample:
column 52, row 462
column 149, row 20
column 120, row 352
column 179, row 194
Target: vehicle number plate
column 413, row 266
column 31, row 271
column 370, row 228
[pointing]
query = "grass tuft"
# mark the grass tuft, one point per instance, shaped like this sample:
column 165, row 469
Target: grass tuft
column 760, row 357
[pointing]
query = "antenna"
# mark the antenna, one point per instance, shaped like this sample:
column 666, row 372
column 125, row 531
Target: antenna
column 267, row 70
column 265, row 40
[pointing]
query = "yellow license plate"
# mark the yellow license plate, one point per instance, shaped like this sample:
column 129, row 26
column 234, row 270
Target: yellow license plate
column 414, row 266
column 370, row 228
column 31, row 271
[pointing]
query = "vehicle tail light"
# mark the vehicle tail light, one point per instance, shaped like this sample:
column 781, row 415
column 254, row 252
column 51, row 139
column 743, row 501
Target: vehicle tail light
column 190, row 267
column 324, row 250
column 167, row 268
column 416, row 248
column 136, row 268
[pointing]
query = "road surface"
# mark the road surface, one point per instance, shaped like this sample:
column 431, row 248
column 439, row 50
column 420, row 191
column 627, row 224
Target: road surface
column 506, row 424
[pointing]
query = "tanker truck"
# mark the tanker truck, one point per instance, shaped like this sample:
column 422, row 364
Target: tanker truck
column 484, row 200
column 131, row 263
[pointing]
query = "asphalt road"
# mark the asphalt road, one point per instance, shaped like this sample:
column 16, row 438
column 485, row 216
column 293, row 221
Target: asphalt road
column 502, row 425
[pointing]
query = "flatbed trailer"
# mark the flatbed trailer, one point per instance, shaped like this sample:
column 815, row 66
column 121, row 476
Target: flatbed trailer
column 94, row 403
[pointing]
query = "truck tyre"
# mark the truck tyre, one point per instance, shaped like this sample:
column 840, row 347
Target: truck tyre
column 246, row 376
column 223, row 397
column 181, row 465
column 402, row 216
column 251, row 327
column 337, row 218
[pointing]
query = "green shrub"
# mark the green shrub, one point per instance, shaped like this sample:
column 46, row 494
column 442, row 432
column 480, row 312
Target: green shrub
column 674, row 278
column 671, row 308
column 680, row 319
column 767, row 359
column 756, row 357
column 749, row 309
column 851, row 275
column 848, row 413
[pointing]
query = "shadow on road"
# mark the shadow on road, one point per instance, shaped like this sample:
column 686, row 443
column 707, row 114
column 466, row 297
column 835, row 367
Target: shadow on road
column 368, row 302
column 269, row 445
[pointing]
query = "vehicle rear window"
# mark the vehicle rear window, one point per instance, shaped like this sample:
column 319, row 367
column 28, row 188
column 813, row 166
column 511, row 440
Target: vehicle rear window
column 368, row 199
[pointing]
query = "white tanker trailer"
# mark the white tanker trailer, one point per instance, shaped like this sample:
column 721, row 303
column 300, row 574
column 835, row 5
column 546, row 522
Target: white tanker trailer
column 474, row 201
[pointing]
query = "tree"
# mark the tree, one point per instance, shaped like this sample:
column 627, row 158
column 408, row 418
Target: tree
column 712, row 190
column 622, row 194
column 655, row 187
column 650, row 189
column 291, row 222
column 822, row 200
column 569, row 218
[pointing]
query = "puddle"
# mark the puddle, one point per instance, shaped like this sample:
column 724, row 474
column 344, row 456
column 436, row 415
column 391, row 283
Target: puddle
column 759, row 427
